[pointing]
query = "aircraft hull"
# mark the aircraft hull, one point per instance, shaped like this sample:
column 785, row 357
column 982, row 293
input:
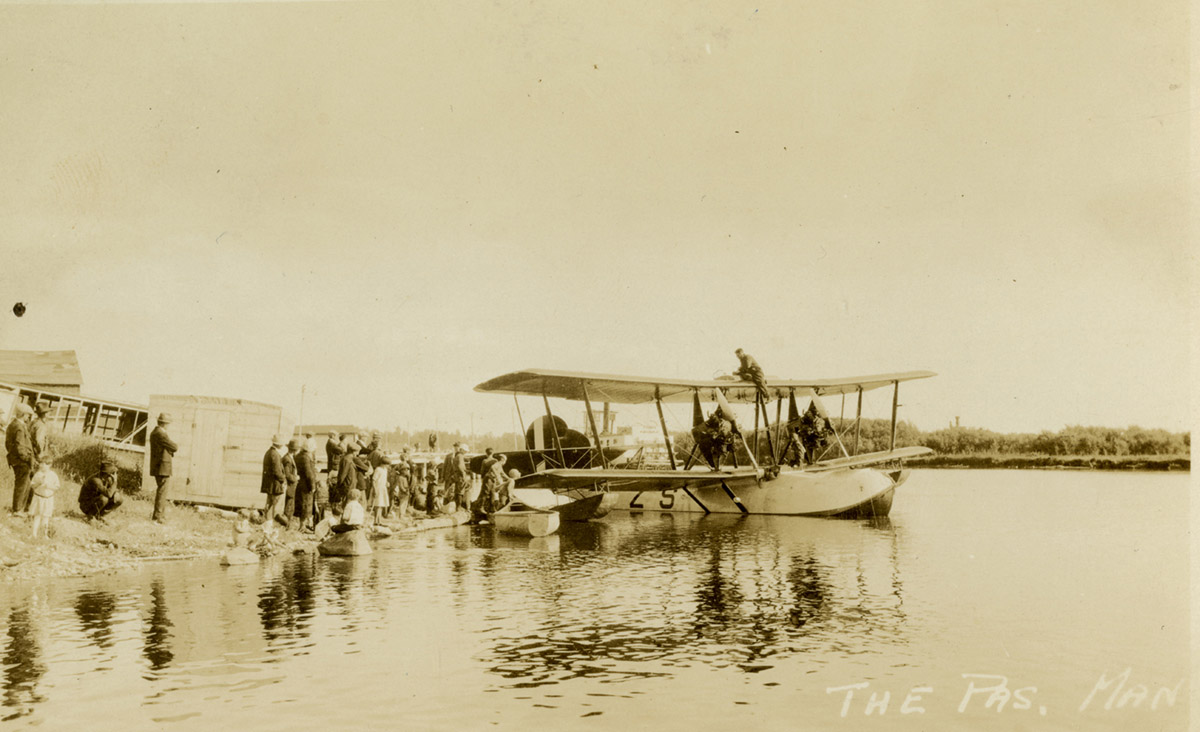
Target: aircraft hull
column 850, row 493
column 595, row 506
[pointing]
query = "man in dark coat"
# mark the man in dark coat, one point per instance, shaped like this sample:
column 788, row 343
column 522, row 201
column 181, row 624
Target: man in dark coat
column 333, row 453
column 39, row 434
column 291, row 478
column 347, row 478
column 274, row 482
column 376, row 457
column 20, row 457
column 98, row 495
column 493, row 482
column 162, row 451
column 362, row 466
column 306, row 470
column 488, row 461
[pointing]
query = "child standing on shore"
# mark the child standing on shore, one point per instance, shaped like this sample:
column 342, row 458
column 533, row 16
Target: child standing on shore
column 380, row 501
column 45, row 484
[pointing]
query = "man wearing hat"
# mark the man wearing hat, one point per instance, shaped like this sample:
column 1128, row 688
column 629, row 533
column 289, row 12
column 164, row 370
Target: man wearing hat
column 749, row 370
column 306, row 470
column 274, row 482
column 98, row 495
column 333, row 453
column 162, row 450
column 291, row 477
column 38, row 434
column 20, row 457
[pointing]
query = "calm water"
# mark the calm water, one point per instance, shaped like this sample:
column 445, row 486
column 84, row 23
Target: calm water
column 1052, row 580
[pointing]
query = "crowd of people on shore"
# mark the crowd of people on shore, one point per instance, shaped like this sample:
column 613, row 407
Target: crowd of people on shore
column 362, row 484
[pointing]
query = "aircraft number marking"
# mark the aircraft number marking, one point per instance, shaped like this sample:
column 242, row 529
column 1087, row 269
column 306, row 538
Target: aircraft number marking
column 666, row 503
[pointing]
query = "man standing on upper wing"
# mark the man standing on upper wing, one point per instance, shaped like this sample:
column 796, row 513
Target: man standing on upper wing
column 162, row 452
column 749, row 370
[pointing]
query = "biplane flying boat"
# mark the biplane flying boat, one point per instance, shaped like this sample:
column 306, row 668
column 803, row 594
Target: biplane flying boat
column 847, row 486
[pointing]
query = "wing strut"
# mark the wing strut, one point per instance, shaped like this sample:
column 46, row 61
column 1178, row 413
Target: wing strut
column 554, row 431
column 778, row 435
column 697, row 419
column 592, row 421
column 733, row 497
column 895, row 406
column 529, row 451
column 667, row 435
column 757, row 402
column 767, row 424
column 858, row 421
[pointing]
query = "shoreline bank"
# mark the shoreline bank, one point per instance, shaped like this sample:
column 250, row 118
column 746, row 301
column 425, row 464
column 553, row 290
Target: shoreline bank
column 128, row 539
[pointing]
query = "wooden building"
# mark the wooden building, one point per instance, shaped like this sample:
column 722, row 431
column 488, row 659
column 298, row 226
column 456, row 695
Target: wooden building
column 56, row 371
column 119, row 424
column 221, row 447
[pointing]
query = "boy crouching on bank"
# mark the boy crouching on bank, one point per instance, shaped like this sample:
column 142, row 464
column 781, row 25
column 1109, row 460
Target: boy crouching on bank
column 45, row 484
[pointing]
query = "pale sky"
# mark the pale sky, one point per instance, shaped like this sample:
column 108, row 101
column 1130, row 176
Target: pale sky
column 391, row 202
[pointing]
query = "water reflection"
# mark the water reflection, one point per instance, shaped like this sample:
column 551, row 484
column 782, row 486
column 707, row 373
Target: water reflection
column 23, row 666
column 287, row 601
column 724, row 591
column 95, row 611
column 157, row 635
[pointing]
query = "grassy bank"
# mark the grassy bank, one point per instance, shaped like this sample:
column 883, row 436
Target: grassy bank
column 1055, row 462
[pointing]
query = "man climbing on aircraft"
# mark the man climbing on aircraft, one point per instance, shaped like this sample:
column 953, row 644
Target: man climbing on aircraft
column 749, row 370
column 714, row 437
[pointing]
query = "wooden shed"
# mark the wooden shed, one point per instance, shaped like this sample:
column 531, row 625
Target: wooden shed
column 221, row 447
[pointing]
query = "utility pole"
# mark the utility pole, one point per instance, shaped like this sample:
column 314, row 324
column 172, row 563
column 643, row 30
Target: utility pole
column 301, row 425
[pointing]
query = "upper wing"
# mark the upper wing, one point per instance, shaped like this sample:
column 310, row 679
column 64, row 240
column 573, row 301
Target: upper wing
column 641, row 390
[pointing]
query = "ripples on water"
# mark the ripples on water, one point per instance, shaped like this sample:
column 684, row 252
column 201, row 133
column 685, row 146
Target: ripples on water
column 678, row 621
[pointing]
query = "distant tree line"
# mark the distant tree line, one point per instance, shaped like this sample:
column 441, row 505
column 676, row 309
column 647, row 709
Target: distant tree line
column 1073, row 440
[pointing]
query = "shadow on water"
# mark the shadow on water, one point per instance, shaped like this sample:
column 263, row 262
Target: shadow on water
column 23, row 666
column 726, row 591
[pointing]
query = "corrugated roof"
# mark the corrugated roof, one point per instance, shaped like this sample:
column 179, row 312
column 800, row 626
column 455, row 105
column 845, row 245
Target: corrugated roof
column 57, row 368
